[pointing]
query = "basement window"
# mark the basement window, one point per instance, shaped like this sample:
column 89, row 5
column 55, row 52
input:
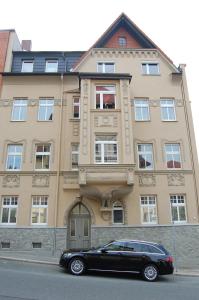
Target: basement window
column 36, row 245
column 5, row 245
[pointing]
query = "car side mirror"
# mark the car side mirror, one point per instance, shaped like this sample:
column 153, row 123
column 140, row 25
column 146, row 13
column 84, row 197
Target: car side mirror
column 103, row 250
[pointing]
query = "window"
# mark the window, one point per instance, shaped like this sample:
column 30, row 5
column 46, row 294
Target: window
column 75, row 156
column 150, row 68
column 168, row 110
column 106, row 149
column 141, row 110
column 27, row 66
column 178, row 209
column 76, row 108
column 45, row 110
column 148, row 210
column 39, row 210
column 105, row 97
column 9, row 209
column 115, row 246
column 118, row 213
column 19, row 110
column 173, row 157
column 42, row 159
column 122, row 41
column 145, row 156
column 105, row 67
column 51, row 65
column 14, row 157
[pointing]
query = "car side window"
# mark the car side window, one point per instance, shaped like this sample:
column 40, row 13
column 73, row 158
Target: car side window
column 152, row 249
column 115, row 246
column 135, row 247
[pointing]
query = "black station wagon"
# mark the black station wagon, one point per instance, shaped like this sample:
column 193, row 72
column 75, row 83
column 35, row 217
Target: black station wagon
column 130, row 256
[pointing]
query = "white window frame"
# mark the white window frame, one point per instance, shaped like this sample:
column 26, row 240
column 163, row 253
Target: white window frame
column 177, row 205
column 42, row 154
column 48, row 103
column 148, row 63
column 172, row 153
column 28, row 61
column 48, row 62
column 149, row 206
column 144, row 154
column 74, row 152
column 22, row 104
column 101, row 93
column 164, row 104
column 38, row 206
column 76, row 104
column 141, row 105
column 10, row 206
column 103, row 143
column 122, row 45
column 114, row 208
column 104, row 63
column 15, row 154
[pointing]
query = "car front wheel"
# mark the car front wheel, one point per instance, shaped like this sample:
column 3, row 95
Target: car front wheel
column 150, row 273
column 77, row 266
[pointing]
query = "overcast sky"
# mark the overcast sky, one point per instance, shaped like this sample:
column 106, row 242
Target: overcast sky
column 75, row 25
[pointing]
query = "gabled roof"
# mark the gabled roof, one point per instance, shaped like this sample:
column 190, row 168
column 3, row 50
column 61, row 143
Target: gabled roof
column 136, row 33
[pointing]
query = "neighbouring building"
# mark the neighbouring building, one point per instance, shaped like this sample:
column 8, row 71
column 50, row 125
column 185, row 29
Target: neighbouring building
column 97, row 145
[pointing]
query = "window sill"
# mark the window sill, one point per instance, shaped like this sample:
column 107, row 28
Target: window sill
column 151, row 74
column 74, row 120
column 46, row 121
column 18, row 120
column 106, row 110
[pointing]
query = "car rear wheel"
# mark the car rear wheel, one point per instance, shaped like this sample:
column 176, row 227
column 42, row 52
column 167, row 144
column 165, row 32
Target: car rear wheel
column 150, row 273
column 77, row 266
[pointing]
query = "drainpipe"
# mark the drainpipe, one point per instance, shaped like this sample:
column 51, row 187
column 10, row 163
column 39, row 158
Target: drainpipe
column 58, row 160
column 190, row 129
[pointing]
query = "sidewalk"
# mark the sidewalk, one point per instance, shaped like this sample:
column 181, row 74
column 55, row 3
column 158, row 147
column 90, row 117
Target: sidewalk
column 53, row 259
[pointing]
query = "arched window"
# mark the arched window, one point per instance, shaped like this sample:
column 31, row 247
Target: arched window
column 118, row 213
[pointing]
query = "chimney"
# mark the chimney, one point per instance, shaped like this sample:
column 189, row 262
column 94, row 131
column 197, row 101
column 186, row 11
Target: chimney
column 26, row 45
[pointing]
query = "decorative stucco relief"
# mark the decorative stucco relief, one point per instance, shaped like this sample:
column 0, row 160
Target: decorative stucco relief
column 106, row 121
column 11, row 181
column 82, row 176
column 71, row 179
column 41, row 180
column 176, row 179
column 75, row 129
column 147, row 180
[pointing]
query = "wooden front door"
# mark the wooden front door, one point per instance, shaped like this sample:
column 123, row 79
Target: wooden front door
column 79, row 227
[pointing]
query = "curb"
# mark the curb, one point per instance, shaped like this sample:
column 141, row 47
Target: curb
column 29, row 260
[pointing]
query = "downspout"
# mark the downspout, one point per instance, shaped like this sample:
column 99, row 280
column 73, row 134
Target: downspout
column 58, row 160
column 185, row 98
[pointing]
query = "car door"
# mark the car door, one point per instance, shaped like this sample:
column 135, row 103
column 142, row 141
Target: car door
column 107, row 258
column 133, row 258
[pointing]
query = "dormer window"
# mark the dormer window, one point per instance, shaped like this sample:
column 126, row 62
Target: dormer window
column 27, row 66
column 51, row 65
column 105, row 67
column 122, row 41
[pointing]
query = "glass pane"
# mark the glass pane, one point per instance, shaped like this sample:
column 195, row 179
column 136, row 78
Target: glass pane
column 72, row 227
column 174, row 213
column 17, row 165
column 145, row 114
column 109, row 67
column 35, row 215
column 76, row 210
column 46, row 148
column 13, row 215
column 108, row 101
column 138, row 114
column 144, row 68
column 100, row 67
column 49, row 113
column 38, row 164
column 46, row 162
column 5, row 214
column 177, row 163
column 153, row 68
column 16, row 113
column 105, row 88
column 145, row 214
column 118, row 216
column 10, row 163
column 51, row 66
column 171, row 113
column 76, row 111
column 42, row 113
column 182, row 214
column 97, row 100
column 83, row 210
column 86, row 227
column 43, row 215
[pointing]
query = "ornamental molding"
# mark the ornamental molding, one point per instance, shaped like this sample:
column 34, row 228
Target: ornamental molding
column 11, row 181
column 40, row 180
column 76, row 129
column 106, row 121
column 147, row 180
column 175, row 179
column 111, row 53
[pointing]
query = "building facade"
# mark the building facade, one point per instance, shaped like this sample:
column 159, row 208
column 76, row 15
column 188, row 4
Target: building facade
column 97, row 145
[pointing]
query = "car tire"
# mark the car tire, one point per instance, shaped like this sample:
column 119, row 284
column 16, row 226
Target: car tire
column 150, row 273
column 76, row 266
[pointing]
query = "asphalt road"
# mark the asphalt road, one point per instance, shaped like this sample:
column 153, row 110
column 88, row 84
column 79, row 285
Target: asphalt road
column 27, row 281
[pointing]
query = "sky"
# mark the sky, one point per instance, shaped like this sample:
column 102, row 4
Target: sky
column 75, row 25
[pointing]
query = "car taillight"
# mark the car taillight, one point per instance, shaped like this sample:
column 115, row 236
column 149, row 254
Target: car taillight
column 169, row 259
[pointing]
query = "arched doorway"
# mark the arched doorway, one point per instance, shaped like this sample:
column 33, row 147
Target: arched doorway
column 79, row 227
